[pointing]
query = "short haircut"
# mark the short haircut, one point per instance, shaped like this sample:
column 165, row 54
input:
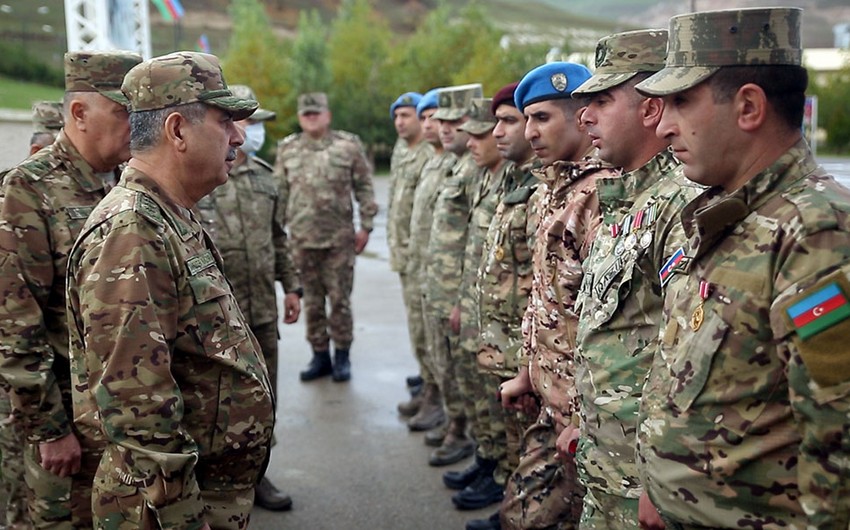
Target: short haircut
column 42, row 139
column 569, row 106
column 146, row 126
column 784, row 86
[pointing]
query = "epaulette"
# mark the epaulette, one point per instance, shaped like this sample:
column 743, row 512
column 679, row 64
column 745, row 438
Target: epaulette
column 259, row 161
column 814, row 207
column 36, row 166
column 148, row 208
column 289, row 139
column 345, row 135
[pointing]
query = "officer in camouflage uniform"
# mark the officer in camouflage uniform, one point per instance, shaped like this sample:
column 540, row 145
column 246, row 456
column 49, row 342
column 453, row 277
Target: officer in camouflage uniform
column 320, row 170
column 47, row 122
column 543, row 491
column 43, row 204
column 245, row 220
column 404, row 178
column 620, row 300
column 504, row 280
column 166, row 370
column 744, row 417
column 441, row 279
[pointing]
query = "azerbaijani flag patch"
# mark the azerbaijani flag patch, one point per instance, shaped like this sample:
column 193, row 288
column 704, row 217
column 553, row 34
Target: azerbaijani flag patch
column 819, row 311
column 666, row 271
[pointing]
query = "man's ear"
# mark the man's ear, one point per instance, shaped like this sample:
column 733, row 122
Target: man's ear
column 751, row 106
column 174, row 131
column 77, row 112
column 650, row 112
column 579, row 123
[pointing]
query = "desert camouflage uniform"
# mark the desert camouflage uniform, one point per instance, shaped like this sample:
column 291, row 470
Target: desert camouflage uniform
column 164, row 366
column 744, row 421
column 405, row 174
column 45, row 201
column 245, row 219
column 620, row 315
column 543, row 491
column 318, row 178
column 444, row 270
column 504, row 280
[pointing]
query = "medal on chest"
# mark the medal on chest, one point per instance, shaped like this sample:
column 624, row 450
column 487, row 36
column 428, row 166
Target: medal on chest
column 634, row 231
column 698, row 316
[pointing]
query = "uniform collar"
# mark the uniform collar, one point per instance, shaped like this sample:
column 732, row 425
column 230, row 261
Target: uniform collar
column 181, row 219
column 84, row 174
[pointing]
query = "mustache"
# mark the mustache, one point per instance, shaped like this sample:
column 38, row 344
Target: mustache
column 231, row 154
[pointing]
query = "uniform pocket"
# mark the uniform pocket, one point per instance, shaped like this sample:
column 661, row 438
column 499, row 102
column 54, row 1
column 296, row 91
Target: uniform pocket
column 219, row 322
column 691, row 369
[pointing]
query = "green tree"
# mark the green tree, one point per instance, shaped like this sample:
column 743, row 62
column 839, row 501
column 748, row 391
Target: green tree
column 834, row 109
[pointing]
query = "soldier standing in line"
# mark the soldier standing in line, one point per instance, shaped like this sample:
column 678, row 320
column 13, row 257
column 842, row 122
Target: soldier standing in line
column 505, row 284
column 744, row 417
column 320, row 169
column 544, row 490
column 405, row 170
column 47, row 122
column 620, row 302
column 245, row 219
column 442, row 276
column 166, row 370
column 45, row 201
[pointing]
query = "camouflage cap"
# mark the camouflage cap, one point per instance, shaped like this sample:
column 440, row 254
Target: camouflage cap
column 312, row 102
column 95, row 71
column 700, row 44
column 621, row 56
column 245, row 92
column 455, row 102
column 180, row 78
column 481, row 119
column 47, row 116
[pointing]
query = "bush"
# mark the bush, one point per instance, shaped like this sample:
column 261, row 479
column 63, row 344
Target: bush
column 16, row 63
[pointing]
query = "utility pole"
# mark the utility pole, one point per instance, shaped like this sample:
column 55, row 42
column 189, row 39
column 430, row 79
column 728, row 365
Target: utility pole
column 108, row 25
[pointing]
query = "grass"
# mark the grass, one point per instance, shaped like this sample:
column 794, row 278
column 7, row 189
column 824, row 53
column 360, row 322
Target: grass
column 21, row 95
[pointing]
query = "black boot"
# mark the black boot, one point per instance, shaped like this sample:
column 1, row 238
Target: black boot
column 457, row 480
column 319, row 366
column 342, row 365
column 491, row 523
column 483, row 492
column 269, row 497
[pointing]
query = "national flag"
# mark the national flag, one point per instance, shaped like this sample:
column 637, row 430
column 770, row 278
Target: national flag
column 170, row 9
column 819, row 311
column 667, row 270
column 176, row 8
column 164, row 12
column 203, row 43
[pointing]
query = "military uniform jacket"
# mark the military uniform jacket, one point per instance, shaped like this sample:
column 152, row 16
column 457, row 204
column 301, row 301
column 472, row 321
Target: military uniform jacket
column 747, row 408
column 449, row 233
column 569, row 216
column 620, row 312
column 319, row 178
column 245, row 219
column 405, row 178
column 504, row 277
column 434, row 172
column 45, row 201
column 165, row 367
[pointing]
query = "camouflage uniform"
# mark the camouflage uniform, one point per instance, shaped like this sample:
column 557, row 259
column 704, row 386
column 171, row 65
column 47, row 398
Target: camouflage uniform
column 245, row 219
column 543, row 491
column 504, row 280
column 318, row 178
column 620, row 315
column 405, row 174
column 45, row 201
column 47, row 117
column 187, row 419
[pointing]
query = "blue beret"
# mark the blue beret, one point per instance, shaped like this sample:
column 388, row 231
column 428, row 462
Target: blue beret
column 408, row 99
column 428, row 101
column 550, row 81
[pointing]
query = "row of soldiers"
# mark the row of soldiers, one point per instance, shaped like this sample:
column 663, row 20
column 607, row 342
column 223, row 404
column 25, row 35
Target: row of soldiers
column 627, row 290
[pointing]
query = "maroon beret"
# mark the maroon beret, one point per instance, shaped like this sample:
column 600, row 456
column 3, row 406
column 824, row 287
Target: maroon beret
column 505, row 95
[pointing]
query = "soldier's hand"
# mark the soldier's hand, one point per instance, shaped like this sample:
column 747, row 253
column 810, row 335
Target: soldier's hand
column 454, row 320
column 648, row 516
column 361, row 237
column 514, row 391
column 567, row 442
column 291, row 308
column 61, row 457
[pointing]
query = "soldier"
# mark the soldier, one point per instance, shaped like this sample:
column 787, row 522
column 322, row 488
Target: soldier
column 441, row 280
column 320, row 169
column 504, row 284
column 166, row 370
column 544, row 491
column 47, row 122
column 620, row 300
column 44, row 202
column 245, row 219
column 744, row 417
column 404, row 177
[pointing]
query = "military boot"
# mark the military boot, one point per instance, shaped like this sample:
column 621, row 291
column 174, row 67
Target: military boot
column 457, row 480
column 342, row 365
column 268, row 496
column 435, row 437
column 491, row 523
column 483, row 492
column 455, row 447
column 411, row 406
column 319, row 366
column 431, row 413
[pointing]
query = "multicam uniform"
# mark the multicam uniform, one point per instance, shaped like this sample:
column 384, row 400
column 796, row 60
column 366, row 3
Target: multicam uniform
column 542, row 491
column 318, row 178
column 745, row 414
column 245, row 219
column 504, row 280
column 165, row 368
column 620, row 310
column 45, row 201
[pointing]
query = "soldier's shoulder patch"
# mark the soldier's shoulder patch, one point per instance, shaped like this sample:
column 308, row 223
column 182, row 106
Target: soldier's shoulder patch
column 262, row 163
column 37, row 167
column 820, row 319
column 148, row 208
column 814, row 207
